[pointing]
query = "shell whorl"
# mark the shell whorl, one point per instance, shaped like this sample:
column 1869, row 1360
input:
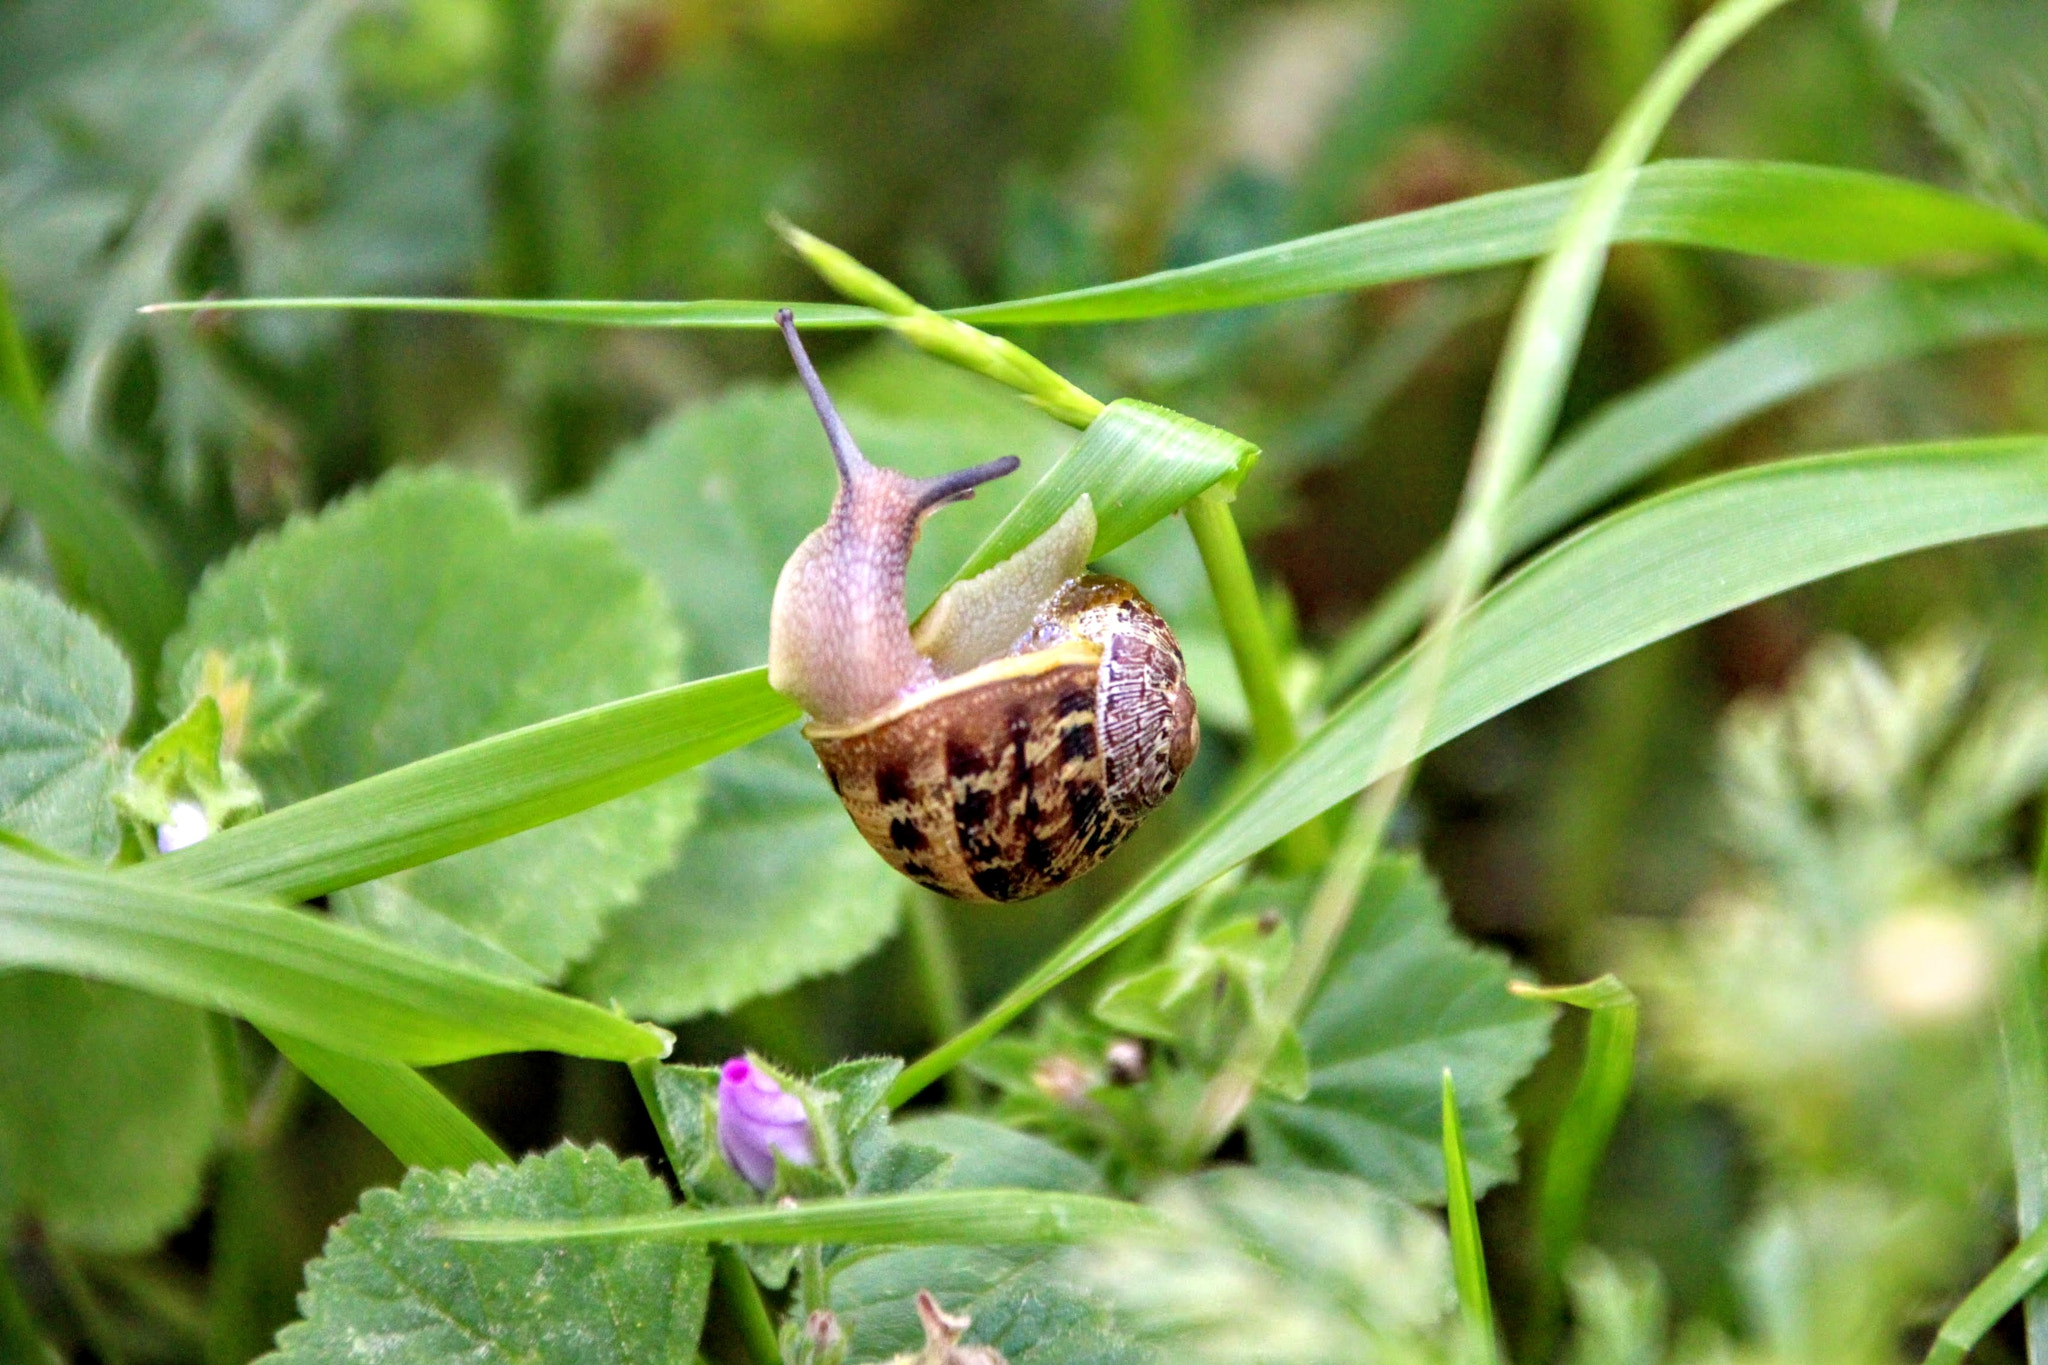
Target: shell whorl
column 838, row 634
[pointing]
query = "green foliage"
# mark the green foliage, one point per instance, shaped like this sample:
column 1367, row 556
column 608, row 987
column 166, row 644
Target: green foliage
column 1405, row 998
column 65, row 696
column 386, row 1284
column 1027, row 1301
column 428, row 614
column 108, row 1109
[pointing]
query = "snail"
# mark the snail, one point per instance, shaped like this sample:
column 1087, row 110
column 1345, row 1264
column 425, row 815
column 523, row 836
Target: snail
column 1021, row 732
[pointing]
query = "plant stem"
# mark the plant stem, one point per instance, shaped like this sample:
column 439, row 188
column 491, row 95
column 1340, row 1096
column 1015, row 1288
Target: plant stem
column 938, row 971
column 2023, row 1039
column 735, row 1282
column 1252, row 650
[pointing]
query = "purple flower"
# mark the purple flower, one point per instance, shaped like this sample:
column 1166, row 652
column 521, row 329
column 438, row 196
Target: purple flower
column 757, row 1119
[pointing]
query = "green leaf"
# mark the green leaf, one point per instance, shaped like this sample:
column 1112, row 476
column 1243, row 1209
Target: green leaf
column 775, row 885
column 2011, row 1280
column 1816, row 214
column 1138, row 463
column 1405, row 998
column 429, row 614
column 382, row 1289
column 1583, row 1130
column 1641, row 574
column 65, row 695
column 1468, row 1254
column 103, row 558
column 289, row 970
column 1641, row 432
column 400, row 1107
column 108, row 1109
column 1336, row 1269
column 1025, row 1300
column 478, row 792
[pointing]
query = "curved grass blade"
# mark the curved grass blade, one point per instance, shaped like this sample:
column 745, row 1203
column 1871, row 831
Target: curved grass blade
column 937, row 1218
column 1816, row 214
column 709, row 314
column 1585, row 1128
column 2011, row 1280
column 1468, row 1252
column 289, row 971
column 1639, row 433
column 1648, row 571
column 102, row 557
column 1820, row 215
column 1137, row 462
column 471, row 795
column 401, row 1108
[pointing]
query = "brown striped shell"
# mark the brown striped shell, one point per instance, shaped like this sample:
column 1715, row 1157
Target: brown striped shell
column 1035, row 718
column 1027, row 771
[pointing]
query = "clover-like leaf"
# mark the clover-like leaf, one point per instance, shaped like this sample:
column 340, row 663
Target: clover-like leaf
column 1026, row 1301
column 426, row 613
column 1405, row 997
column 776, row 885
column 65, row 696
column 386, row 1288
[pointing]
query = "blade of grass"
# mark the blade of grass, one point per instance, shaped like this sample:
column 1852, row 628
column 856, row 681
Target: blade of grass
column 2023, row 1039
column 1468, row 1253
column 290, row 971
column 1640, row 574
column 1819, row 215
column 18, row 383
column 2011, row 1280
column 1639, row 433
column 1543, row 343
column 103, row 560
column 471, row 795
column 401, row 1108
column 937, row 1218
column 1579, row 1143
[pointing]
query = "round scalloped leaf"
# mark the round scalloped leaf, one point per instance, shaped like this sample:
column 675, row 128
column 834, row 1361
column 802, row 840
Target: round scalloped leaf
column 386, row 1289
column 427, row 612
column 65, row 695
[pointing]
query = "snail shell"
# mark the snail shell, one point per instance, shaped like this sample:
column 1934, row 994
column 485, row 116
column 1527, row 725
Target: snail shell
column 1033, row 719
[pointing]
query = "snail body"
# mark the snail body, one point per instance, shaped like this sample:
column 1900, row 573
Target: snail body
column 1026, row 727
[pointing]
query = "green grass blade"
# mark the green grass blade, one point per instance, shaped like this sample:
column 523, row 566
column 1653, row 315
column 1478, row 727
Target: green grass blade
column 401, row 1108
column 1138, row 463
column 1638, row 434
column 479, row 792
column 1815, row 214
column 2011, row 1280
column 937, row 1218
column 1468, row 1253
column 290, row 971
column 1648, row 571
column 1583, row 1132
column 105, row 562
column 2023, row 1038
column 710, row 314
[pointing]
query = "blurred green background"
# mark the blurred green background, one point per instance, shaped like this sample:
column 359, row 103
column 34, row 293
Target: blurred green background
column 635, row 149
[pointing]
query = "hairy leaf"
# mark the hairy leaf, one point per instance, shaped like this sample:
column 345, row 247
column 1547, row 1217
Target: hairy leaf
column 65, row 696
column 383, row 1289
column 429, row 614
column 1405, row 997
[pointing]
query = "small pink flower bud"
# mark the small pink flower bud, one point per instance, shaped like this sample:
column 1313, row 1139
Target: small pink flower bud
column 756, row 1119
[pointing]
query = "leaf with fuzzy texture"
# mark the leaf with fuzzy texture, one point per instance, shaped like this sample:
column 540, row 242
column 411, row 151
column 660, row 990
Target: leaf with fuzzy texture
column 428, row 613
column 108, row 1108
column 386, row 1289
column 65, row 695
column 776, row 885
column 1406, row 997
column 1025, row 1300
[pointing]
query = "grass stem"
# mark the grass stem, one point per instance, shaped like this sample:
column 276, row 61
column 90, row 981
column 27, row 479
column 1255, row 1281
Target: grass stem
column 938, row 973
